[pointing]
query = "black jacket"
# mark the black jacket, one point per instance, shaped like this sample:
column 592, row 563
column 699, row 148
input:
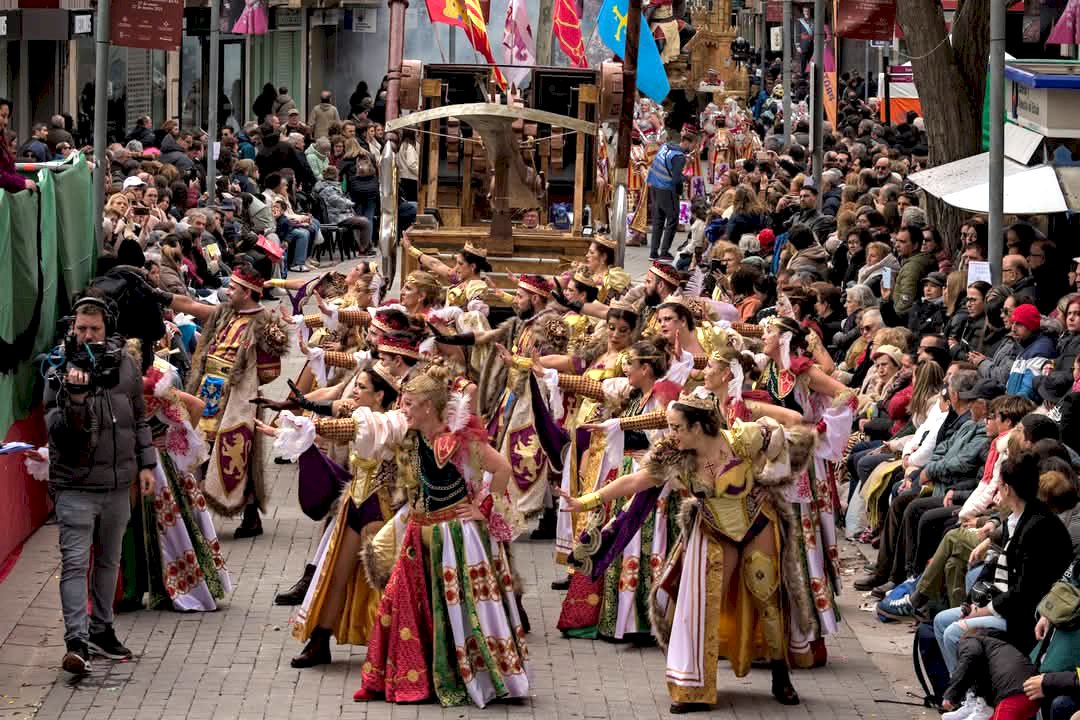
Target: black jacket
column 1037, row 555
column 103, row 442
column 830, row 202
column 173, row 154
column 923, row 318
column 986, row 661
column 1068, row 347
column 143, row 134
column 276, row 154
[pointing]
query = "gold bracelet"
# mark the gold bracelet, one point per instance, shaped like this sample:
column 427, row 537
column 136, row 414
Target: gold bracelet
column 416, row 253
column 275, row 282
column 591, row 500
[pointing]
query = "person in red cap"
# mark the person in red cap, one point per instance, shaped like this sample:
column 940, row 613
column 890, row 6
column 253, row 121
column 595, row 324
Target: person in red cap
column 1036, row 350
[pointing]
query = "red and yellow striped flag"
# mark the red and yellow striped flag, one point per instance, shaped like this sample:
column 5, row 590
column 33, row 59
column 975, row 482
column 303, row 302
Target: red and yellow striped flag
column 467, row 15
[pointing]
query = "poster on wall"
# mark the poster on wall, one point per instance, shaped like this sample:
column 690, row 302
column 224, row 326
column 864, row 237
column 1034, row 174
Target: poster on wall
column 244, row 17
column 147, row 24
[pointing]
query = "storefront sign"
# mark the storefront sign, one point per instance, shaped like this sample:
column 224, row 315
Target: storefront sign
column 866, row 19
column 10, row 26
column 363, row 19
column 1048, row 111
column 286, row 18
column 325, row 17
column 149, row 24
column 774, row 11
column 82, row 23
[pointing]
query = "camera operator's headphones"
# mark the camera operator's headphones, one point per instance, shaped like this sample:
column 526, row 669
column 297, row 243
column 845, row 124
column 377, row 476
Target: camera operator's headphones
column 107, row 308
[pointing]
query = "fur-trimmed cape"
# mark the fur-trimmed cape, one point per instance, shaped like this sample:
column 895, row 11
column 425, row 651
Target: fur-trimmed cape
column 667, row 463
column 258, row 361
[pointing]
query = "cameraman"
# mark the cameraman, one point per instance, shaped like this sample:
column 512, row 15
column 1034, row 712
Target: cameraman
column 99, row 441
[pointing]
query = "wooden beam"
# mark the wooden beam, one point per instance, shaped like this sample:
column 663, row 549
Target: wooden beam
column 432, row 90
column 587, row 95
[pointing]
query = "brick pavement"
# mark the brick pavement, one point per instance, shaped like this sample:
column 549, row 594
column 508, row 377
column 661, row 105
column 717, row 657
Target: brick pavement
column 234, row 663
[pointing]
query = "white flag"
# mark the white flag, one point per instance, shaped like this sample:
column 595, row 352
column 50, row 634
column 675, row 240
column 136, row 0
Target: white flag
column 518, row 45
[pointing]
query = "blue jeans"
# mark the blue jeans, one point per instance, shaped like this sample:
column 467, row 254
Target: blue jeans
column 77, row 514
column 299, row 239
column 947, row 630
column 1062, row 707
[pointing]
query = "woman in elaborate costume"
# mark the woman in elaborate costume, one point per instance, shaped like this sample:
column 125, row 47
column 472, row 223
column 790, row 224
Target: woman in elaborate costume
column 612, row 280
column 719, row 593
column 580, row 464
column 793, row 381
column 447, row 625
column 171, row 549
column 341, row 602
column 466, row 276
column 608, row 592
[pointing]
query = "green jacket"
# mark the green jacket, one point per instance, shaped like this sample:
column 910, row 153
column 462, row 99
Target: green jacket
column 959, row 457
column 317, row 161
column 907, row 284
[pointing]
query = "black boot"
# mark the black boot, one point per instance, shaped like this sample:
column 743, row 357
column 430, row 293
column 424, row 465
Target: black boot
column 251, row 526
column 563, row 584
column 316, row 652
column 546, row 529
column 295, row 594
column 782, row 689
column 525, row 624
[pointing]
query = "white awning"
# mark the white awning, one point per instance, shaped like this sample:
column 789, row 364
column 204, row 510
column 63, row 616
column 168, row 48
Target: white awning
column 960, row 175
column 1030, row 192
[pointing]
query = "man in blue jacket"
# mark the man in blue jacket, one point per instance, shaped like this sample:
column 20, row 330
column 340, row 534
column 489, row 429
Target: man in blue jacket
column 665, row 183
column 1036, row 349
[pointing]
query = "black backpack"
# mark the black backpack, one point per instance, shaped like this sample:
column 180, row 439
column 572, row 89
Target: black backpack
column 930, row 668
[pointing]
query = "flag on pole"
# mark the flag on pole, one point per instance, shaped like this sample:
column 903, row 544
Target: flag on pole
column 652, row 79
column 518, row 47
column 467, row 15
column 566, row 24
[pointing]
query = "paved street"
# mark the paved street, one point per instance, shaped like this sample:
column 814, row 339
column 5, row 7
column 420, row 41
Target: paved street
column 235, row 663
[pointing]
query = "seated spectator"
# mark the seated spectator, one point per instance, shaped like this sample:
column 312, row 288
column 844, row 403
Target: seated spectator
column 340, row 209
column 1036, row 350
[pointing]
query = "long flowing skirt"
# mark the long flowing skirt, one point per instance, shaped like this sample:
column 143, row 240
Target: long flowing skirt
column 448, row 623
column 708, row 621
column 361, row 600
column 616, row 603
column 171, row 549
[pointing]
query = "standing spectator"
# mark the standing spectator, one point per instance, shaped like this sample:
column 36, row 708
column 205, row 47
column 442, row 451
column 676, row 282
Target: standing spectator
column 264, row 104
column 58, row 133
column 665, row 183
column 9, row 179
column 361, row 179
column 276, row 155
column 294, row 126
column 322, row 115
column 408, row 164
column 92, row 466
column 283, row 103
column 356, row 100
column 36, row 148
column 143, row 132
column 247, row 139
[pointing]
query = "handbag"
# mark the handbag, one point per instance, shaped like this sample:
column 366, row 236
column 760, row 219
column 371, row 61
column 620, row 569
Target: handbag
column 1061, row 606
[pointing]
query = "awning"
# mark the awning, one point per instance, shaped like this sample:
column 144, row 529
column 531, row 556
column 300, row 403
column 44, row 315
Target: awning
column 960, row 175
column 1030, row 192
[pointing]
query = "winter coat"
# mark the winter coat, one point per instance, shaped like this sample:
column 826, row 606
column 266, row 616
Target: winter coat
column 830, row 202
column 276, row 154
column 813, row 259
column 282, row 105
column 740, row 224
column 173, row 154
column 172, row 280
column 1034, row 353
column 986, row 659
column 247, row 149
column 317, row 162
column 960, row 456
column 871, row 274
column 926, row 317
column 1068, row 347
column 56, row 136
column 143, row 134
column 997, row 368
column 1037, row 554
column 102, row 443
column 973, row 334
column 907, row 284
column 320, row 119
column 339, row 207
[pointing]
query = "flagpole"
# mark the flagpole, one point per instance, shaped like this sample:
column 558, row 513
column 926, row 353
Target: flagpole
column 626, row 124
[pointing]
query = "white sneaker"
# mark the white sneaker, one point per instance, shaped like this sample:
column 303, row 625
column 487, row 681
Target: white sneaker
column 964, row 712
column 982, row 711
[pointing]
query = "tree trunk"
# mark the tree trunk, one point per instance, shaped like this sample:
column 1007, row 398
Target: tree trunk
column 950, row 76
